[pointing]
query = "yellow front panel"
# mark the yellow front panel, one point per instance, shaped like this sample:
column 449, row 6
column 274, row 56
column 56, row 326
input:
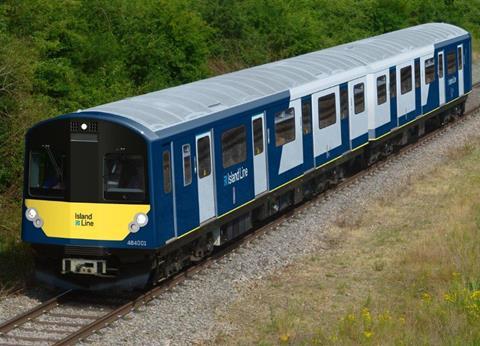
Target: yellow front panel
column 87, row 221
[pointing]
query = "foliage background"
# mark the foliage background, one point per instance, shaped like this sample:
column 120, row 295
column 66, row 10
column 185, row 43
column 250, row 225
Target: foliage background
column 60, row 56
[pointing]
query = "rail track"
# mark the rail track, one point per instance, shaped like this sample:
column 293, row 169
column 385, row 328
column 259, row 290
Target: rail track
column 59, row 322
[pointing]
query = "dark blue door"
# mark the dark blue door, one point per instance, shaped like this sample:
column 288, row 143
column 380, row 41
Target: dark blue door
column 418, row 89
column 308, row 159
column 186, row 200
column 344, row 114
column 165, row 209
column 393, row 97
column 451, row 75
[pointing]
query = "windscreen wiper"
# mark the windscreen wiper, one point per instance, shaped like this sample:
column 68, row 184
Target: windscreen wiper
column 58, row 171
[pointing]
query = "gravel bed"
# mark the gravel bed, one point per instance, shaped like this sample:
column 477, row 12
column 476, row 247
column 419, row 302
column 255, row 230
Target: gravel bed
column 188, row 313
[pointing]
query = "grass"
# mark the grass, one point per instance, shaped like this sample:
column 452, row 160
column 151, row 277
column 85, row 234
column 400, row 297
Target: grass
column 15, row 258
column 406, row 272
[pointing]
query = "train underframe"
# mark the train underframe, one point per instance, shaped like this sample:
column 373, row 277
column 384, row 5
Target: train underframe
column 132, row 269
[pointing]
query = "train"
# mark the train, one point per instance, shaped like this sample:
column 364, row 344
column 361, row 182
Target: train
column 126, row 194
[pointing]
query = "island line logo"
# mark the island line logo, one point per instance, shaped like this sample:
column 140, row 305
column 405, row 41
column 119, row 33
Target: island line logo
column 84, row 220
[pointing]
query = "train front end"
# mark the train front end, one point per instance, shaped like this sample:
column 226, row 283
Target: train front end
column 86, row 210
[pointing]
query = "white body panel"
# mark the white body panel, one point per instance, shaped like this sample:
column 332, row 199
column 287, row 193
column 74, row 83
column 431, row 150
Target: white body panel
column 206, row 188
column 260, row 159
column 441, row 80
column 461, row 90
column 405, row 102
column 292, row 153
column 359, row 121
column 329, row 137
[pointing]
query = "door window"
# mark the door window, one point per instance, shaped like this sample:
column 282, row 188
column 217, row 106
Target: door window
column 344, row 103
column 406, row 79
column 359, row 97
column 258, row 136
column 306, row 116
column 167, row 176
column 440, row 65
column 417, row 74
column 460, row 58
column 429, row 71
column 327, row 111
column 187, row 165
column 204, row 157
column 381, row 90
column 393, row 83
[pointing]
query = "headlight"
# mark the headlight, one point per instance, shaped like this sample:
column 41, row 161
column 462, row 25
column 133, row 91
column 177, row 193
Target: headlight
column 133, row 227
column 31, row 214
column 38, row 223
column 141, row 219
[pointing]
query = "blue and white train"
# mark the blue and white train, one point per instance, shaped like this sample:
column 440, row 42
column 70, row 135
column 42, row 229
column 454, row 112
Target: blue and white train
column 127, row 193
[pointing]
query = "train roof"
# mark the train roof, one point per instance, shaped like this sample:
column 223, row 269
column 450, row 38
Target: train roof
column 168, row 107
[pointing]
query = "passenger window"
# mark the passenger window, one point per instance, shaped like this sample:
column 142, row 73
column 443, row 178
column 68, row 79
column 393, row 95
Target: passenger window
column 381, row 90
column 307, row 116
column 406, row 79
column 327, row 111
column 429, row 71
column 460, row 58
column 344, row 103
column 204, row 157
column 234, row 146
column 167, row 176
column 359, row 97
column 258, row 136
column 284, row 127
column 451, row 62
column 440, row 65
column 187, row 165
column 393, row 83
column 417, row 73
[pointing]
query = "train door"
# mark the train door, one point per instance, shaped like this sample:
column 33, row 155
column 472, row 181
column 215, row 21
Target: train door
column 393, row 96
column 326, row 125
column 259, row 153
column 205, row 176
column 344, row 115
column 358, row 111
column 308, row 159
column 167, row 206
column 186, row 196
column 451, row 77
column 381, row 116
column 418, row 89
column 406, row 94
column 461, row 90
column 441, row 78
